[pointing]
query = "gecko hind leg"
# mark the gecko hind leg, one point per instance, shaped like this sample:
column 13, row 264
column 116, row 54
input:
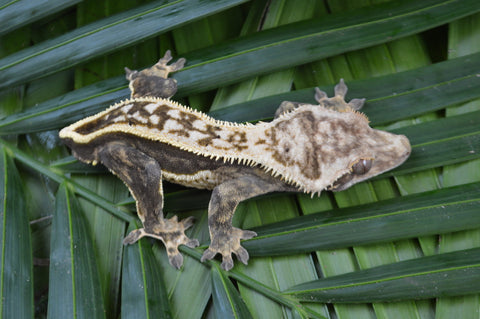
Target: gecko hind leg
column 143, row 176
column 154, row 81
column 336, row 102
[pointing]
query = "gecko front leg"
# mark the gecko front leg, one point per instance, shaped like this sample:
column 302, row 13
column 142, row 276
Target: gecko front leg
column 225, row 239
column 142, row 174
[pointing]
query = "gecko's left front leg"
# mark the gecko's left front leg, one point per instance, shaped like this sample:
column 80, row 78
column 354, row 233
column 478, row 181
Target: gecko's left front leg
column 225, row 239
column 143, row 176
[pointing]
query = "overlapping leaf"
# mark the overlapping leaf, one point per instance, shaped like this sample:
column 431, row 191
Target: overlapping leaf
column 390, row 98
column 16, row 276
column 74, row 289
column 449, row 274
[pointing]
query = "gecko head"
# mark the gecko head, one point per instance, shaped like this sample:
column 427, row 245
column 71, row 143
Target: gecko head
column 378, row 152
column 326, row 149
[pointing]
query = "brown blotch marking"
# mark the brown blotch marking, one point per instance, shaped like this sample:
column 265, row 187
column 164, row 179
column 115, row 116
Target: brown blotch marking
column 260, row 141
column 211, row 133
column 91, row 126
column 187, row 120
column 138, row 107
column 109, row 118
column 312, row 151
column 238, row 140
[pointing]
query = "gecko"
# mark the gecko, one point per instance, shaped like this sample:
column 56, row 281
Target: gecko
column 150, row 138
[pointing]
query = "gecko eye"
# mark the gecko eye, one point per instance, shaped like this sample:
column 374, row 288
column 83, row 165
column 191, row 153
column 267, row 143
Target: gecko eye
column 359, row 168
column 362, row 166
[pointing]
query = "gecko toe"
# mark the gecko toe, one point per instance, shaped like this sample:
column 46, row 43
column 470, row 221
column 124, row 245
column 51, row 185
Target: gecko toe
column 227, row 263
column 242, row 255
column 192, row 243
column 208, row 254
column 356, row 104
column 134, row 236
column 247, row 234
column 341, row 89
column 226, row 244
column 176, row 260
column 188, row 222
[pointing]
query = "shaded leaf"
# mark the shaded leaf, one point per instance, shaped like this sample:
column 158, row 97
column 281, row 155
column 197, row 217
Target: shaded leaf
column 315, row 39
column 101, row 37
column 448, row 274
column 226, row 299
column 143, row 290
column 74, row 288
column 16, row 270
column 18, row 13
column 442, row 211
column 59, row 178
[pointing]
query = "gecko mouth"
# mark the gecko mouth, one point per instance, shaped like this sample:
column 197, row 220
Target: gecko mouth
column 360, row 167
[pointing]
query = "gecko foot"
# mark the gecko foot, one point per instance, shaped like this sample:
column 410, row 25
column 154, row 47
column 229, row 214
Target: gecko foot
column 227, row 243
column 338, row 102
column 171, row 233
column 154, row 81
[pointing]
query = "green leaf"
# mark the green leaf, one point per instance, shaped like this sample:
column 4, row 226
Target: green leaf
column 462, row 40
column 143, row 290
column 227, row 302
column 18, row 13
column 229, row 48
column 442, row 142
column 74, row 288
column 435, row 212
column 315, row 39
column 103, row 37
column 16, row 271
column 449, row 274
column 59, row 178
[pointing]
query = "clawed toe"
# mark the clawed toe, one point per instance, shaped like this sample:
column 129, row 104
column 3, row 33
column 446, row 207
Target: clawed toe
column 229, row 244
column 163, row 64
column 242, row 255
column 171, row 232
column 134, row 236
column 187, row 222
column 356, row 104
column 227, row 263
column 247, row 234
column 192, row 243
column 176, row 260
column 341, row 89
column 208, row 254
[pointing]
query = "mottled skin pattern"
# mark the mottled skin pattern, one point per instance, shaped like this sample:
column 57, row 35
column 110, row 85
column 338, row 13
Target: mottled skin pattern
column 306, row 148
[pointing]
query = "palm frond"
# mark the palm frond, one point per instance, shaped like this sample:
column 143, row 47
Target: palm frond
column 411, row 234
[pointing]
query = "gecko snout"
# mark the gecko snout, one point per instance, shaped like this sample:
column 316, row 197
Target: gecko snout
column 406, row 144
